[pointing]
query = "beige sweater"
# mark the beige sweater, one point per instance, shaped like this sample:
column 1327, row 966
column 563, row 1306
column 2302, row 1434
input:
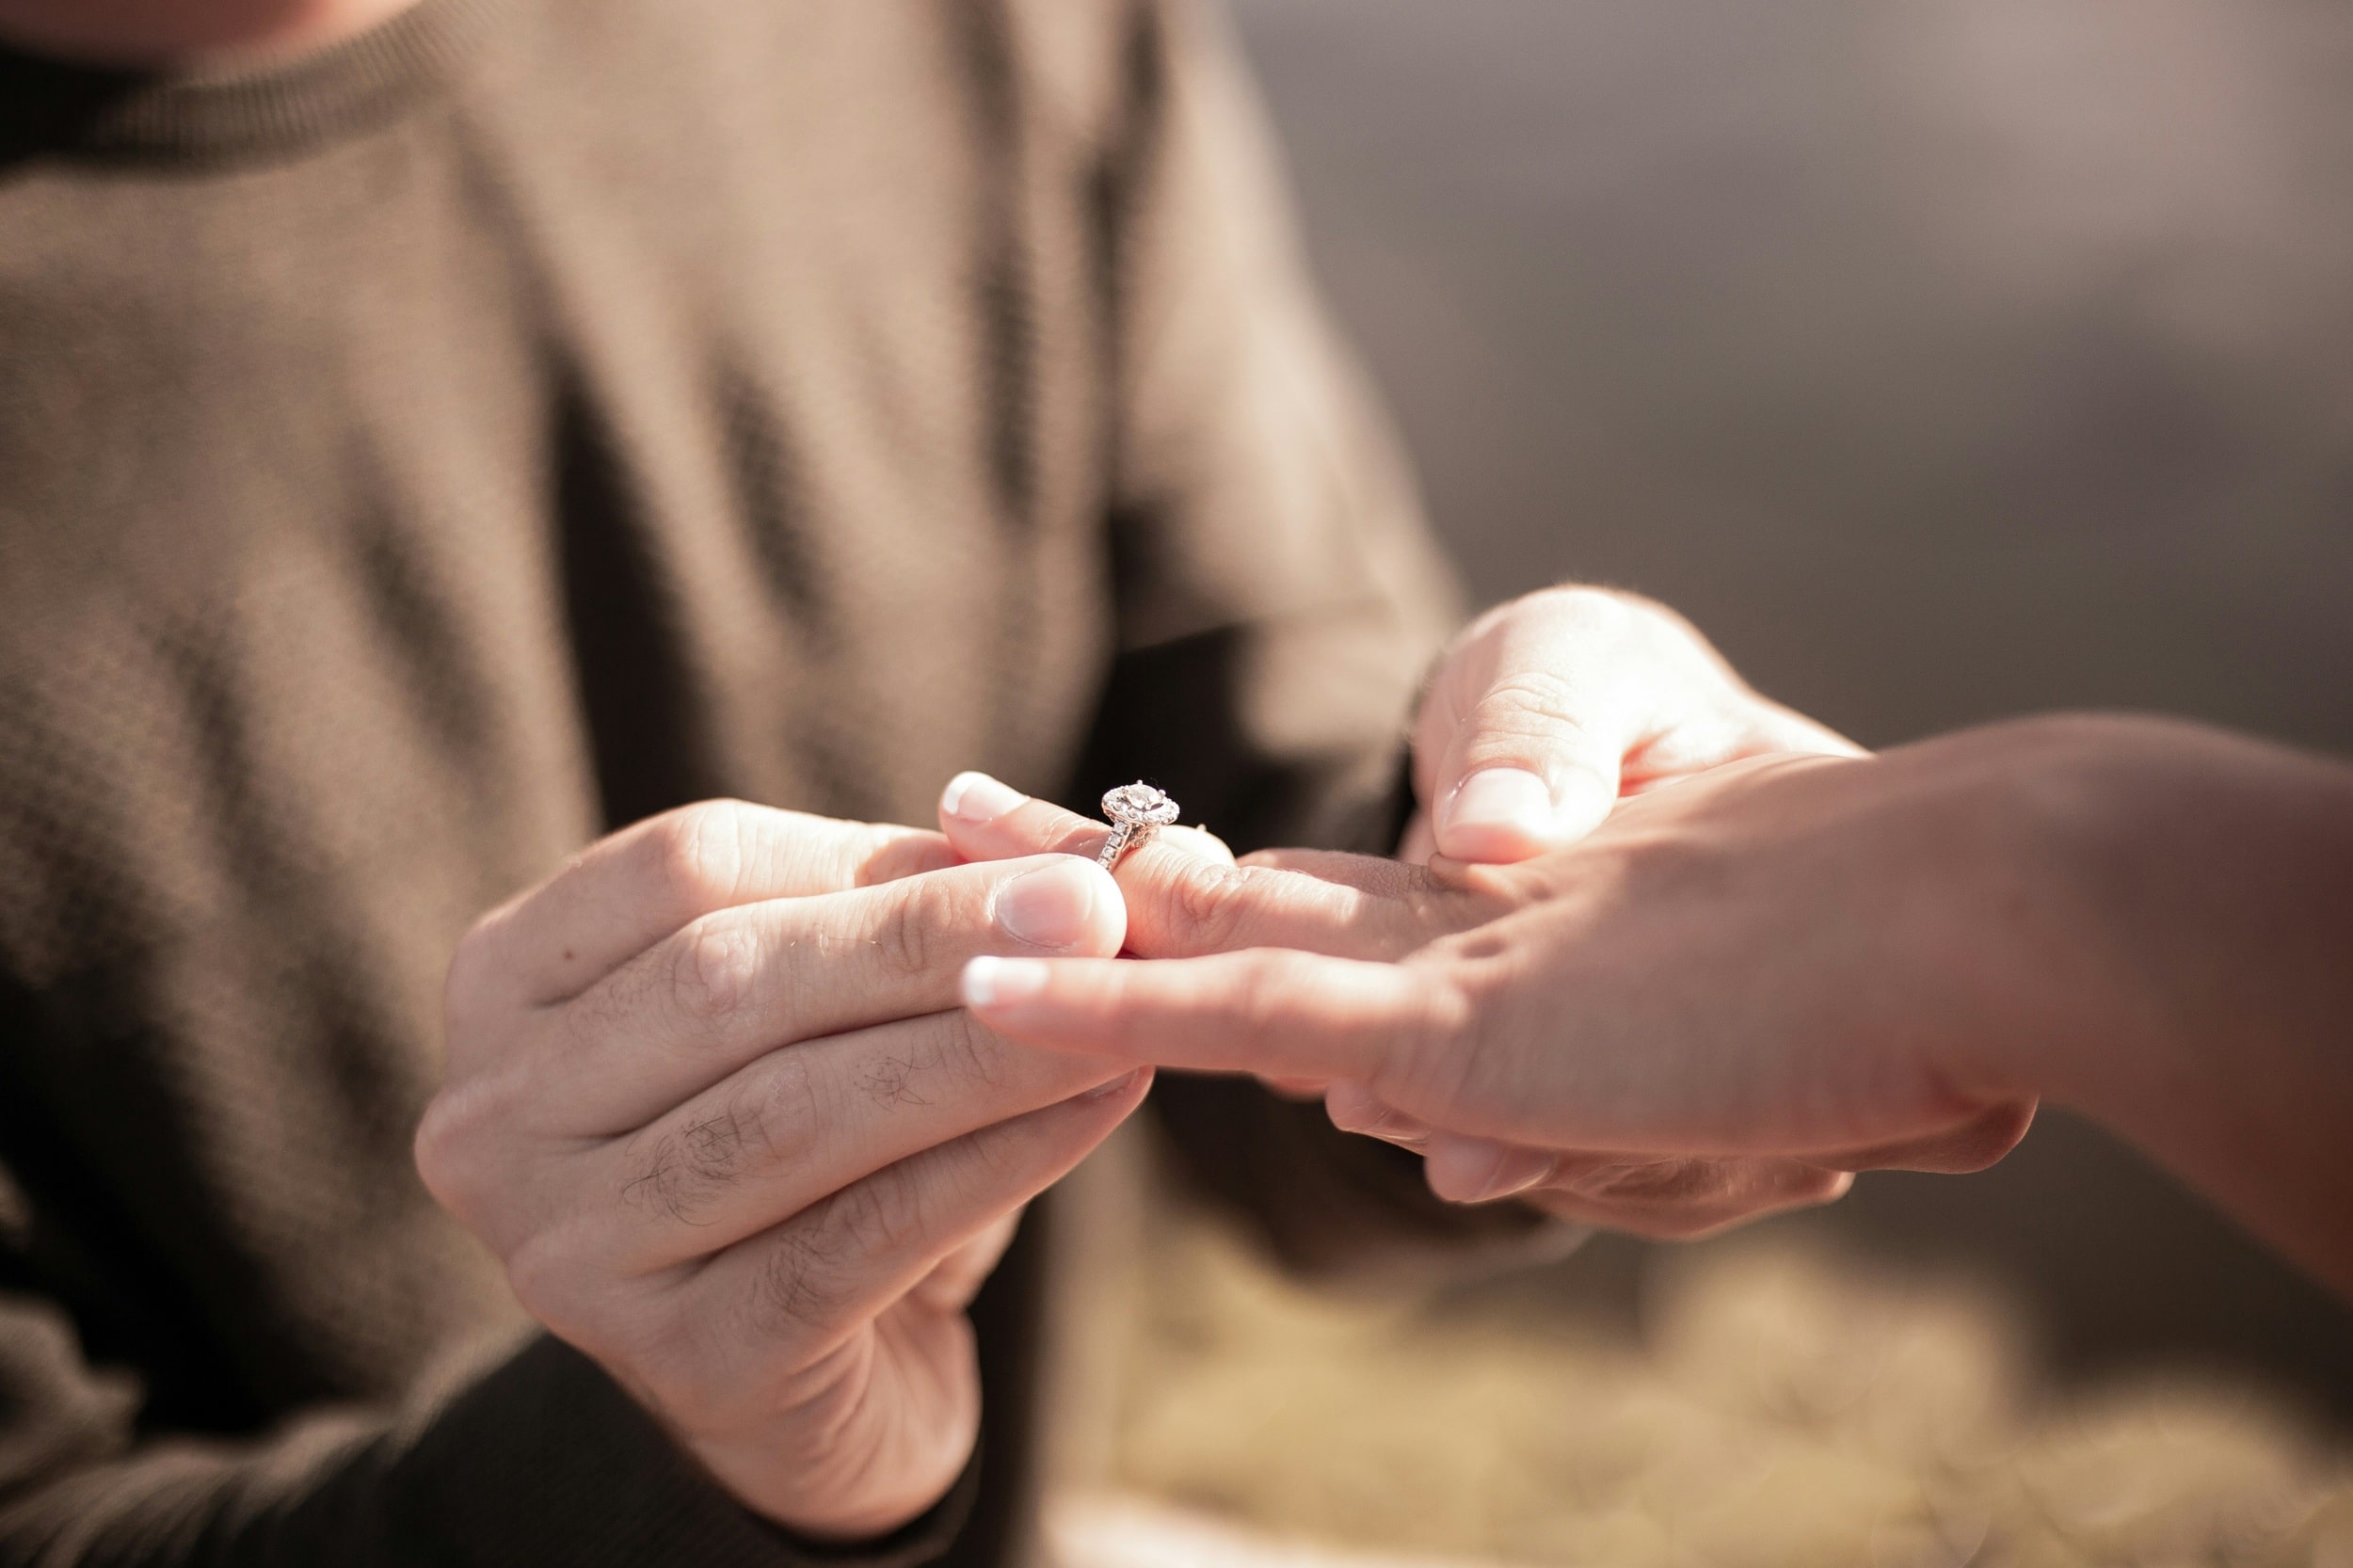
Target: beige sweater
column 419, row 458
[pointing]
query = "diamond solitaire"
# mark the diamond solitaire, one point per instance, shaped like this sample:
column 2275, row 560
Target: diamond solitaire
column 1135, row 810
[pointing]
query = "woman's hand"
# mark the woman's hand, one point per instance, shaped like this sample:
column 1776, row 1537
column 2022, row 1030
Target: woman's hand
column 1710, row 1008
column 1794, row 965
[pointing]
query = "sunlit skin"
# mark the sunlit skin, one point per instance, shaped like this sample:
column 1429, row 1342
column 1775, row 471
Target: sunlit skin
column 798, row 1323
column 1543, row 713
column 711, row 1099
column 1738, row 989
column 1550, row 707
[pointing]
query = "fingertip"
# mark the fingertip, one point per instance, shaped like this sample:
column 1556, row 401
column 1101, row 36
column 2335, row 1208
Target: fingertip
column 1352, row 1107
column 1489, row 843
column 1061, row 904
column 1130, row 1085
column 1501, row 815
column 1478, row 1170
column 1495, row 815
column 1582, row 802
column 975, row 799
column 995, row 987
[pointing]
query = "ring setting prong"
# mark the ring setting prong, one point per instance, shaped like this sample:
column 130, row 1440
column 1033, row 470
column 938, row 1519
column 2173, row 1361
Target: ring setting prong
column 1134, row 809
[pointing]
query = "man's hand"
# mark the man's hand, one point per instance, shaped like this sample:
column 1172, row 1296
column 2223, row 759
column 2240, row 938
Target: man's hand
column 1726, row 999
column 711, row 1100
column 1550, row 708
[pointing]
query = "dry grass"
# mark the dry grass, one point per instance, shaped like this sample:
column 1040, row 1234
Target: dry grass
column 1779, row 1411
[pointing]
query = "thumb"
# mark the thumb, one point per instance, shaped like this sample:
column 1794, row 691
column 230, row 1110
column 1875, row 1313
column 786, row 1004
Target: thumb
column 1522, row 773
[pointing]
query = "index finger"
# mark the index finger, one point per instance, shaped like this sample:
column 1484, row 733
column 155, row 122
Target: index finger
column 1183, row 904
column 1270, row 1012
column 631, row 889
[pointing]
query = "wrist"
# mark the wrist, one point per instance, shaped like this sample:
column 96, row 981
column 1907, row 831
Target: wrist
column 836, row 1499
column 2026, row 919
column 921, row 1538
column 2155, row 881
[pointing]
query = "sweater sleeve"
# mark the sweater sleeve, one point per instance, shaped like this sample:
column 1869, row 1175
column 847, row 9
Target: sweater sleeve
column 1278, row 596
column 539, row 1460
column 1280, row 599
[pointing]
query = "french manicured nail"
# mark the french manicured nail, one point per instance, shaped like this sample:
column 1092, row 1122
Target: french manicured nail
column 1119, row 1086
column 1002, row 981
column 976, row 799
column 1508, row 798
column 1051, row 906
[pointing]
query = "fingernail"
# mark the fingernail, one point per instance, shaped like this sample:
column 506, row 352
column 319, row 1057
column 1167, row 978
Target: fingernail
column 978, row 799
column 1119, row 1086
column 1051, row 906
column 1353, row 1107
column 1515, row 1171
column 1002, row 981
column 1495, row 801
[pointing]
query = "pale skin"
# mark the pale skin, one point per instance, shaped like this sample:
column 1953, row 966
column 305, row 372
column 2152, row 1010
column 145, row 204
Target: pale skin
column 709, row 1094
column 1790, row 970
column 1547, row 712
column 711, row 1099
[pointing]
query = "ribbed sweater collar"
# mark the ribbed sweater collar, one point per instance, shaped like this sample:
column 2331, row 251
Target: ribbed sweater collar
column 49, row 105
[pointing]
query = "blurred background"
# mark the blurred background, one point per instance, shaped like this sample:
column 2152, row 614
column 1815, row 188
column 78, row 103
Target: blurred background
column 1943, row 360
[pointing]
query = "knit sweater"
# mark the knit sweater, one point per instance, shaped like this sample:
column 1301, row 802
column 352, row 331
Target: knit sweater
column 423, row 455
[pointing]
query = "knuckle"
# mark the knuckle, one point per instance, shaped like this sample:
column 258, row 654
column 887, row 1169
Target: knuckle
column 906, row 941
column 1260, row 994
column 762, row 1124
column 973, row 1054
column 811, row 1275
column 552, row 1280
column 1519, row 701
column 798, row 1285
column 667, row 1365
column 452, row 1149
column 1437, row 1043
column 1210, row 900
column 1263, row 999
column 465, row 989
column 714, row 969
column 701, row 851
column 439, row 1150
column 1585, row 607
column 996, row 1157
column 883, row 1214
column 716, row 1146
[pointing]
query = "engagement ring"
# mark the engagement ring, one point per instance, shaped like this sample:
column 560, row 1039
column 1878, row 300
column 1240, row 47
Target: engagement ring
column 1135, row 810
